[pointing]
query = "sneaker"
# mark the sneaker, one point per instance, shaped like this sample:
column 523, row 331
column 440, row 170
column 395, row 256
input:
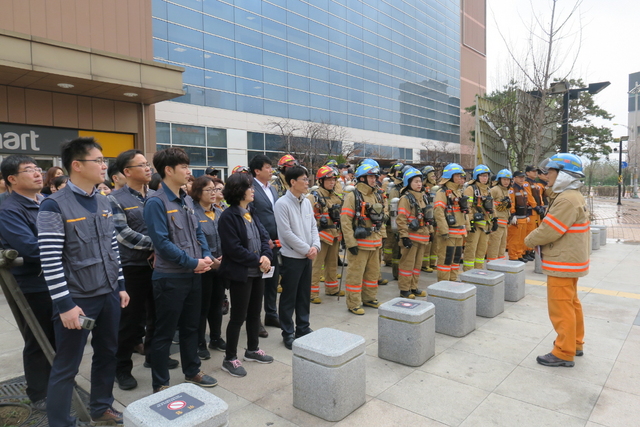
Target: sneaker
column 159, row 389
column 322, row 278
column 40, row 405
column 126, row 381
column 299, row 334
column 234, row 367
column 579, row 353
column 550, row 360
column 203, row 353
column 171, row 364
column 257, row 356
column 407, row 294
column 383, row 282
column 427, row 269
column 316, row 300
column 418, row 293
column 176, row 338
column 335, row 294
column 522, row 260
column 357, row 310
column 375, row 303
column 262, row 332
column 111, row 417
column 288, row 340
column 202, row 379
column 217, row 344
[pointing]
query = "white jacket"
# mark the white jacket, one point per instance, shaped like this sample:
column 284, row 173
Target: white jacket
column 297, row 229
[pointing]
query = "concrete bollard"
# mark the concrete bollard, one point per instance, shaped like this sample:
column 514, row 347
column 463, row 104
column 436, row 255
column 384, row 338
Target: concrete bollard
column 406, row 331
column 489, row 291
column 514, row 277
column 455, row 307
column 183, row 405
column 595, row 238
column 329, row 378
column 603, row 233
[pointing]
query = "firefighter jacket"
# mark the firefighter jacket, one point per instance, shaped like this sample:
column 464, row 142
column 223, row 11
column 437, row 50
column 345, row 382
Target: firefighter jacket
column 537, row 191
column 326, row 205
column 447, row 205
column 521, row 200
column 564, row 236
column 355, row 216
column 280, row 184
column 411, row 217
column 392, row 191
column 501, row 202
column 477, row 194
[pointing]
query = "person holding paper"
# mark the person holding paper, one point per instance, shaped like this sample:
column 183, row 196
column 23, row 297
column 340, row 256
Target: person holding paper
column 245, row 258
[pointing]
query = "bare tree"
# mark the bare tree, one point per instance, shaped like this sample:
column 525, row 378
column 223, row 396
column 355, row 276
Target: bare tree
column 437, row 154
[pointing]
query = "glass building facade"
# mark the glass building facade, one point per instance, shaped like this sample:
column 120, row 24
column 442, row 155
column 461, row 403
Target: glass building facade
column 385, row 66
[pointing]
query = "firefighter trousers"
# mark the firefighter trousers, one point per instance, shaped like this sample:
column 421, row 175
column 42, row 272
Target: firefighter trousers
column 565, row 312
column 497, row 244
column 426, row 255
column 515, row 239
column 431, row 254
column 534, row 222
column 409, row 266
column 475, row 249
column 362, row 277
column 387, row 250
column 328, row 257
column 449, row 257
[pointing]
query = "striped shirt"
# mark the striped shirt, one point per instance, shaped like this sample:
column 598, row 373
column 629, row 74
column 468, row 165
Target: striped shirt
column 126, row 235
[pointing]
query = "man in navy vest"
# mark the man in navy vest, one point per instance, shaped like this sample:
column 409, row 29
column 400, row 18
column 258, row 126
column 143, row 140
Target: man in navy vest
column 181, row 255
column 81, row 264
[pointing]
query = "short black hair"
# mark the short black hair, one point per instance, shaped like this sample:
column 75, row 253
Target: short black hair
column 11, row 165
column 123, row 159
column 156, row 179
column 198, row 185
column 172, row 157
column 77, row 149
column 59, row 180
column 112, row 170
column 235, row 188
column 257, row 162
column 294, row 172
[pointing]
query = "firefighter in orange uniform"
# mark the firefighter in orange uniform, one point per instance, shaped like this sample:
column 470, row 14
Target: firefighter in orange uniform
column 564, row 239
column 502, row 211
column 327, row 206
column 521, row 200
column 537, row 212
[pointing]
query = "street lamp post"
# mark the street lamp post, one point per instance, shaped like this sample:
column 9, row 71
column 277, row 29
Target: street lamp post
column 634, row 134
column 621, row 139
column 568, row 94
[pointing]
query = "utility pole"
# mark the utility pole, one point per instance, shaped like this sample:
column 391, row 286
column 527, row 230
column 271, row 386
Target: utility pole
column 621, row 139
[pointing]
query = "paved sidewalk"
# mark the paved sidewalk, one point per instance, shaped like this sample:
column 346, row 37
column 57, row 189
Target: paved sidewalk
column 623, row 221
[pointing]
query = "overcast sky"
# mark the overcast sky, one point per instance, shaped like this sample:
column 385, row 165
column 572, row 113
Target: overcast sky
column 609, row 50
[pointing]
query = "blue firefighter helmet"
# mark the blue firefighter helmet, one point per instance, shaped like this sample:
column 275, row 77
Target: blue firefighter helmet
column 452, row 169
column 480, row 169
column 411, row 173
column 566, row 162
column 504, row 173
column 364, row 170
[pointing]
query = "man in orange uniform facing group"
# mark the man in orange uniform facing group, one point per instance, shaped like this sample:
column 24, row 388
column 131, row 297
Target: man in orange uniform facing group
column 521, row 200
column 564, row 239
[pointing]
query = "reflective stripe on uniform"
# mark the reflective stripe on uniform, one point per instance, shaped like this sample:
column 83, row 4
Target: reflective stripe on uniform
column 370, row 284
column 422, row 238
column 347, row 211
column 416, row 272
column 458, row 231
column 353, row 288
column 555, row 224
column 443, row 267
column 579, row 228
column 369, row 243
column 331, row 284
column 568, row 267
column 405, row 273
column 502, row 221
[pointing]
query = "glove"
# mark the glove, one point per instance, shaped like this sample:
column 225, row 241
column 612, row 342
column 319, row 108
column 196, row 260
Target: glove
column 407, row 243
column 514, row 220
column 353, row 250
column 472, row 229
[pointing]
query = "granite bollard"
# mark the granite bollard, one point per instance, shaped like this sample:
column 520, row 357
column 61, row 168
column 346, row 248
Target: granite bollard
column 603, row 233
column 595, row 238
column 514, row 277
column 455, row 304
column 406, row 331
column 329, row 373
column 489, row 291
column 183, row 405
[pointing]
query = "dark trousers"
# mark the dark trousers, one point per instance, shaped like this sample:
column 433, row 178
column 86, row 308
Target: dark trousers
column 246, row 299
column 211, row 309
column 177, row 306
column 296, row 295
column 70, row 343
column 271, row 288
column 36, row 366
column 137, row 281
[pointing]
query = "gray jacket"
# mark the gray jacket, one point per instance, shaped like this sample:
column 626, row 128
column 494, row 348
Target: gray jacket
column 297, row 229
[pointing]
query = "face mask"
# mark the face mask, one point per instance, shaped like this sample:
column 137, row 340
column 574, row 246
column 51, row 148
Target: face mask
column 345, row 173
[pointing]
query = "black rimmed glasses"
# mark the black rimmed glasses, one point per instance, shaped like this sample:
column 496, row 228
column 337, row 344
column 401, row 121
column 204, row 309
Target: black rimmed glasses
column 99, row 160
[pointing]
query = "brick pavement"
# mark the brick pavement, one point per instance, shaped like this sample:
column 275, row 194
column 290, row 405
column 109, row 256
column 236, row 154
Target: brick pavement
column 623, row 221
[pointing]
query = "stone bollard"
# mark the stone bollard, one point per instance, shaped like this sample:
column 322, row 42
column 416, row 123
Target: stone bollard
column 595, row 238
column 183, row 405
column 514, row 277
column 329, row 378
column 489, row 291
column 455, row 307
column 603, row 233
column 406, row 331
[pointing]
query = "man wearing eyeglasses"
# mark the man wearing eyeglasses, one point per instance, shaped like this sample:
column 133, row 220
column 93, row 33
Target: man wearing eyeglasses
column 81, row 265
column 18, row 216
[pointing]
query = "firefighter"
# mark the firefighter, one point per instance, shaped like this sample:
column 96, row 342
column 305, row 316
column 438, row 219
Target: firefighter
column 450, row 210
column 564, row 239
column 413, row 221
column 521, row 200
column 240, row 169
column 535, row 213
column 333, row 164
column 362, row 222
column 393, row 192
column 429, row 185
column 279, row 183
column 502, row 211
column 480, row 217
column 327, row 206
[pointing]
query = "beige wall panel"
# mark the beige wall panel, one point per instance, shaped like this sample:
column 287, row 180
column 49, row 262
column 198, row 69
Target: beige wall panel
column 97, row 25
column 126, row 117
column 150, row 132
column 4, row 105
column 85, row 113
column 103, row 66
column 39, row 107
column 103, row 114
column 37, row 18
column 473, row 67
column 65, row 110
column 70, row 21
column 110, row 25
column 83, row 26
column 147, row 35
column 15, row 98
column 15, row 50
column 72, row 62
column 135, row 31
column 54, row 19
column 21, row 20
column 6, row 17
column 476, row 9
column 122, row 28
